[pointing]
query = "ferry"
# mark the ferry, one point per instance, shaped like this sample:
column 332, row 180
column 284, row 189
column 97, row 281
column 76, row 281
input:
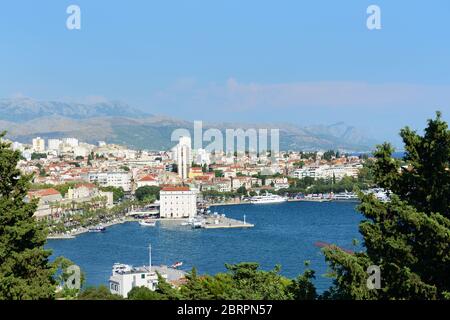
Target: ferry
column 147, row 223
column 97, row 229
column 345, row 196
column 268, row 198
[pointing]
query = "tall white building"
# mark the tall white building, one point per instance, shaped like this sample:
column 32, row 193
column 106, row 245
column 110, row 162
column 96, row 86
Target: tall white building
column 178, row 202
column 38, row 145
column 73, row 142
column 184, row 157
column 53, row 144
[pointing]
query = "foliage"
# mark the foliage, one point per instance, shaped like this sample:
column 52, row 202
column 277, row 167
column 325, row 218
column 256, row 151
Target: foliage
column 98, row 293
column 118, row 192
column 218, row 173
column 25, row 272
column 243, row 281
column 37, row 156
column 409, row 236
column 147, row 193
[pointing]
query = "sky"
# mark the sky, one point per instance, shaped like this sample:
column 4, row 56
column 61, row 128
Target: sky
column 301, row 62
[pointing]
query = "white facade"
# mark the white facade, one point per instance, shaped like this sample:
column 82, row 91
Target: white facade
column 54, row 144
column 71, row 142
column 178, row 202
column 111, row 179
column 184, row 157
column 328, row 172
column 38, row 144
column 121, row 282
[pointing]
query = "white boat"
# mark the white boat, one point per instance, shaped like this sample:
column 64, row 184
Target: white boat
column 345, row 196
column 119, row 268
column 267, row 198
column 97, row 229
column 147, row 223
column 197, row 224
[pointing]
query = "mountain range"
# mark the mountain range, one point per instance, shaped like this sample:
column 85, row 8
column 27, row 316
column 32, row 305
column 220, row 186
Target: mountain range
column 117, row 122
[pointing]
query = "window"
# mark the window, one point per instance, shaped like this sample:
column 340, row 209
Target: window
column 143, row 276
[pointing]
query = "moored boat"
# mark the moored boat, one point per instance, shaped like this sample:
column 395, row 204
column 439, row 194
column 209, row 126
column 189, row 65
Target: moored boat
column 267, row 198
column 147, row 223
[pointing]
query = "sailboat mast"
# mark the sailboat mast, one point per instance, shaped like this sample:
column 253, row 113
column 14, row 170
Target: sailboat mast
column 150, row 256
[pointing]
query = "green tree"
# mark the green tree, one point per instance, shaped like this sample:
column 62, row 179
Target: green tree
column 98, row 293
column 408, row 237
column 147, row 193
column 25, row 271
column 218, row 173
column 118, row 192
column 37, row 156
column 303, row 288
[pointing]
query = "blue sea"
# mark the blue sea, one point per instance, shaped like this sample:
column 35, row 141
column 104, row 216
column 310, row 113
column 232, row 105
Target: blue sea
column 284, row 234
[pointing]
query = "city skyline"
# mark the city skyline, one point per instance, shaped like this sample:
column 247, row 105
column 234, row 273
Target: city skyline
column 313, row 63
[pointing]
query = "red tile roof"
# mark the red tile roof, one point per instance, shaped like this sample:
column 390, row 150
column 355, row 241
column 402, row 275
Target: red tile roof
column 43, row 193
column 176, row 188
column 148, row 177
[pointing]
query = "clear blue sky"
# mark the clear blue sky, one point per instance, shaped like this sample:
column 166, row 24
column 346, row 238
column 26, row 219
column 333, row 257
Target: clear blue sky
column 305, row 62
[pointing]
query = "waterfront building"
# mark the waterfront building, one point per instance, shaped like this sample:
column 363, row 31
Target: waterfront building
column 45, row 198
column 178, row 202
column 184, row 157
column 38, row 144
column 125, row 277
column 87, row 192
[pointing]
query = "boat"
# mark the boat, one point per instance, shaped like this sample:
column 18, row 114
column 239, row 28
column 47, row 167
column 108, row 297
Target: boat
column 147, row 223
column 197, row 224
column 177, row 264
column 267, row 198
column 345, row 196
column 119, row 268
column 97, row 229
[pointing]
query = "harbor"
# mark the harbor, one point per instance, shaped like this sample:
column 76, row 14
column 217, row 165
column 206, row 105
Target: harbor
column 284, row 233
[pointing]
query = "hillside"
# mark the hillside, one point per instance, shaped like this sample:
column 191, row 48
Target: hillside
column 117, row 122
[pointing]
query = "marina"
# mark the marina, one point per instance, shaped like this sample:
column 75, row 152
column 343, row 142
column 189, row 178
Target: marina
column 284, row 233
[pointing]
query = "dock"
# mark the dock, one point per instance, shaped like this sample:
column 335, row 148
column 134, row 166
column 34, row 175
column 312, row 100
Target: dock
column 220, row 222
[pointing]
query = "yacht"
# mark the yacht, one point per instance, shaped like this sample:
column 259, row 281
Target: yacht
column 268, row 198
column 119, row 268
column 345, row 196
column 97, row 229
column 147, row 223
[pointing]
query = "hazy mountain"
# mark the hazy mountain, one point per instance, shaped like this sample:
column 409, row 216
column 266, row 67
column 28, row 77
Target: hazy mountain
column 24, row 109
column 118, row 123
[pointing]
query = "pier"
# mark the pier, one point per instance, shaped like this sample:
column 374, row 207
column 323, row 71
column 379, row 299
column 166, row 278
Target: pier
column 221, row 222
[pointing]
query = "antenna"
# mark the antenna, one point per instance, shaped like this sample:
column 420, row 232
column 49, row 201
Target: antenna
column 150, row 257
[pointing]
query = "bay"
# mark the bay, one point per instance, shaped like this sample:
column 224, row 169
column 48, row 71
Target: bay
column 284, row 234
